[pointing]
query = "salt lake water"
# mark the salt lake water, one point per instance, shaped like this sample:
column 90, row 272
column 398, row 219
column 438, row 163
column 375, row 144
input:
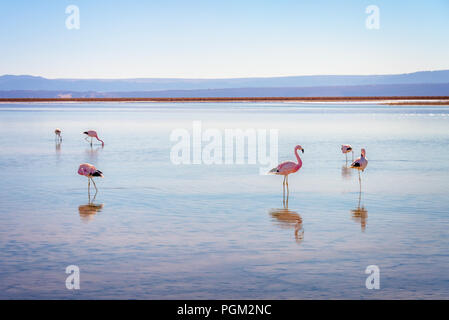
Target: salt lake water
column 157, row 230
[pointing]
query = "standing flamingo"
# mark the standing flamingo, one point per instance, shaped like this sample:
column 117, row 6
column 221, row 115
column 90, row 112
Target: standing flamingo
column 93, row 134
column 58, row 134
column 287, row 167
column 346, row 148
column 90, row 171
column 360, row 164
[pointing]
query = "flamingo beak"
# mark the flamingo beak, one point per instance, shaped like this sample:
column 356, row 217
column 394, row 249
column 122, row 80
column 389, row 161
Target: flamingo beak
column 302, row 150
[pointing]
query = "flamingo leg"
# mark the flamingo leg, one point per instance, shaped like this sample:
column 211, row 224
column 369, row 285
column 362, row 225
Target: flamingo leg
column 91, row 139
column 360, row 198
column 88, row 196
column 288, row 191
column 283, row 192
column 96, row 190
column 360, row 182
column 88, row 190
column 352, row 155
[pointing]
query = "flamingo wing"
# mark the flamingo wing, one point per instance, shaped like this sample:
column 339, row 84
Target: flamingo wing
column 356, row 163
column 346, row 148
column 283, row 167
column 360, row 164
column 287, row 167
column 86, row 169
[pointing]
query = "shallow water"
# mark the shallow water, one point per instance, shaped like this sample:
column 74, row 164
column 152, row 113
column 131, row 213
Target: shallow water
column 162, row 231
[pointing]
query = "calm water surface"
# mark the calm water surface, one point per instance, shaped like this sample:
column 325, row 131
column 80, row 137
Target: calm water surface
column 162, row 231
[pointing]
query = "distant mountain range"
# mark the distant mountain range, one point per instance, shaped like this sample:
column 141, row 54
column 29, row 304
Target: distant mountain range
column 425, row 83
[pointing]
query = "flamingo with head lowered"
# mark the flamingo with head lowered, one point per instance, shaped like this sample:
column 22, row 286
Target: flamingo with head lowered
column 287, row 167
column 93, row 134
column 58, row 135
column 89, row 171
column 346, row 148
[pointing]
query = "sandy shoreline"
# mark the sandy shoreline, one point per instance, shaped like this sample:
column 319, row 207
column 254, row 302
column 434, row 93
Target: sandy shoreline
column 434, row 100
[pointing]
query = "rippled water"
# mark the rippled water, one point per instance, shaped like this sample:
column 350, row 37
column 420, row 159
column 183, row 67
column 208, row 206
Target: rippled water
column 161, row 231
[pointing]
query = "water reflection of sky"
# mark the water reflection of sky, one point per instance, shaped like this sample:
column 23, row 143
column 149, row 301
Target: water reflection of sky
column 161, row 231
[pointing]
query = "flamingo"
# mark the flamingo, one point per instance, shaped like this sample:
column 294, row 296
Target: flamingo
column 287, row 167
column 93, row 134
column 89, row 171
column 58, row 134
column 346, row 148
column 360, row 164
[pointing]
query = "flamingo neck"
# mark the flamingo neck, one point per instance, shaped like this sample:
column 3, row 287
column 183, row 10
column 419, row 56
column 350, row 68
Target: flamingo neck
column 298, row 158
column 100, row 140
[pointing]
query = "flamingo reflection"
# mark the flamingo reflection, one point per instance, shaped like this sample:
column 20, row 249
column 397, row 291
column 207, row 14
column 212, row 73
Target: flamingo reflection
column 360, row 214
column 93, row 153
column 346, row 172
column 58, row 149
column 288, row 219
column 89, row 210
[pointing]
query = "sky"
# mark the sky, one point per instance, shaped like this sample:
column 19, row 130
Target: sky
column 221, row 38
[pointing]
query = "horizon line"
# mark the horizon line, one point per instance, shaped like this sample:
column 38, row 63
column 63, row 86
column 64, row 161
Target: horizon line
column 225, row 78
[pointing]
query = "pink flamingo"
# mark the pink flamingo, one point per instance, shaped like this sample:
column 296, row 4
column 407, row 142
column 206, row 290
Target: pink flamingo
column 58, row 134
column 287, row 167
column 346, row 148
column 360, row 164
column 89, row 171
column 93, row 134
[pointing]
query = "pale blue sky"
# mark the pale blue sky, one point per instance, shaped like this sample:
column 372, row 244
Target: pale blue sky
column 219, row 39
